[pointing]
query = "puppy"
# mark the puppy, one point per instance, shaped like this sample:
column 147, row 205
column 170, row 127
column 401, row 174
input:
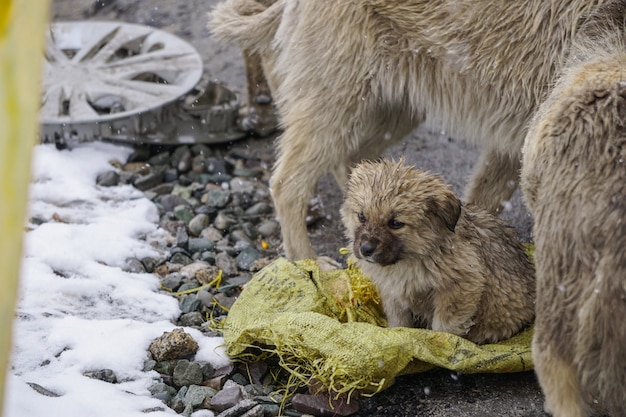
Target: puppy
column 350, row 78
column 574, row 182
column 437, row 263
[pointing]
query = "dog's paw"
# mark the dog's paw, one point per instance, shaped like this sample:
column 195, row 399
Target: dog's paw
column 326, row 263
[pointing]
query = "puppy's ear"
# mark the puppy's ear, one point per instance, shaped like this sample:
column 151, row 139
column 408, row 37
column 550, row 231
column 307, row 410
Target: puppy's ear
column 446, row 208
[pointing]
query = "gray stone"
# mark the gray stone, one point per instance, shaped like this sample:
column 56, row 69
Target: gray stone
column 191, row 319
column 182, row 238
column 149, row 365
column 271, row 410
column 41, row 390
column 212, row 234
column 108, row 179
column 240, row 185
column 207, row 369
column 239, row 409
column 162, row 158
column 182, row 191
column 165, row 367
column 181, row 258
column 162, row 391
column 218, row 198
column 247, row 257
column 189, row 303
column 240, row 236
column 151, row 180
column 106, row 375
column 202, row 150
column 200, row 244
column 320, row 405
column 208, row 256
column 224, row 221
column 227, row 398
column 177, row 402
column 187, row 373
column 172, row 281
column 198, row 224
column 149, row 264
column 169, row 201
column 268, row 228
column 226, row 263
column 197, row 394
column 162, row 189
column 173, row 345
column 134, row 265
column 259, row 208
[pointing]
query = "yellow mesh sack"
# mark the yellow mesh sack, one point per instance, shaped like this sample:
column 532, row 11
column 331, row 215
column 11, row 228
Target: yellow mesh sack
column 328, row 326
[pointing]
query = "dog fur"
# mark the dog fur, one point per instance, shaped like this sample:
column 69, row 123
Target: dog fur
column 437, row 263
column 351, row 77
column 574, row 182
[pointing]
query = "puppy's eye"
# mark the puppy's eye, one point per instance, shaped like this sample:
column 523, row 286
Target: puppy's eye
column 361, row 217
column 394, row 224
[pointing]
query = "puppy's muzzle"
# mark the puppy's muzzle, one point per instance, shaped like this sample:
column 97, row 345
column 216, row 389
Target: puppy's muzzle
column 368, row 247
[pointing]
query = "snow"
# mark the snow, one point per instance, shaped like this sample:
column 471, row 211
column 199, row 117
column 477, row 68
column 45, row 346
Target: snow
column 77, row 309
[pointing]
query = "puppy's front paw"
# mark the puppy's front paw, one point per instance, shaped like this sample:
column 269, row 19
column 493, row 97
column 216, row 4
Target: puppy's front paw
column 459, row 329
column 326, row 263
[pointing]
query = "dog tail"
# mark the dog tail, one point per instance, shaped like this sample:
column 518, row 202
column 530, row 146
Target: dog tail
column 600, row 353
column 248, row 23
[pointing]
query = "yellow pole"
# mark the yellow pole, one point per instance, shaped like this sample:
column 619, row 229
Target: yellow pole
column 22, row 25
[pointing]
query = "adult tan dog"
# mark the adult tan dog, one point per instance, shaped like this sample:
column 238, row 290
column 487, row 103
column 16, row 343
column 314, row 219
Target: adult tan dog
column 437, row 263
column 574, row 181
column 351, row 77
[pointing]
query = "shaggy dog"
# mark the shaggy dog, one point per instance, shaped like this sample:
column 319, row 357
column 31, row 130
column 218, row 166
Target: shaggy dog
column 350, row 78
column 574, row 181
column 437, row 263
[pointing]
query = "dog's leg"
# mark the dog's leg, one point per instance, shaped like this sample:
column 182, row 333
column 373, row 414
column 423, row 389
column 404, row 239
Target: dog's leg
column 494, row 181
column 559, row 382
column 259, row 116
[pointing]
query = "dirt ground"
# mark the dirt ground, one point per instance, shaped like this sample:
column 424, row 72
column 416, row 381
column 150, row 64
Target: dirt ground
column 435, row 393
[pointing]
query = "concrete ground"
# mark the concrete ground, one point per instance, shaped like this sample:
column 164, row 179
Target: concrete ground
column 435, row 393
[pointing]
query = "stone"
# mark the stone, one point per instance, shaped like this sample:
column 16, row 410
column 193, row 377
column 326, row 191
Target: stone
column 217, row 198
column 149, row 365
column 207, row 369
column 246, row 258
column 320, row 405
column 181, row 259
column 226, row 263
column 172, row 281
column 177, row 402
column 41, row 390
column 224, row 221
column 200, row 244
column 268, row 228
column 187, row 373
column 133, row 265
column 162, row 391
column 207, row 274
column 169, row 201
column 183, row 212
column 193, row 318
column 259, row 208
column 239, row 409
column 106, row 375
column 189, row 303
column 227, row 398
column 162, row 158
column 165, row 367
column 173, row 345
column 151, row 180
column 196, row 395
column 108, row 179
column 198, row 223
column 212, row 234
column 240, row 185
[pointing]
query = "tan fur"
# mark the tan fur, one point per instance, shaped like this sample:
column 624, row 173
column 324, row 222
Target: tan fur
column 436, row 263
column 574, row 181
column 351, row 77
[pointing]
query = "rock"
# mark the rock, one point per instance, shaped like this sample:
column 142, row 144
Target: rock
column 259, row 208
column 149, row 264
column 207, row 274
column 177, row 402
column 268, row 228
column 198, row 224
column 165, row 367
column 133, row 265
column 189, row 303
column 240, row 409
column 172, row 281
column 240, row 185
column 162, row 189
column 247, row 257
column 200, row 244
column 173, row 345
column 162, row 391
column 212, row 234
column 207, row 369
column 320, row 405
column 149, row 365
column 183, row 212
column 196, row 395
column 162, row 158
column 218, row 198
column 108, row 179
column 41, row 390
column 224, row 221
column 169, row 201
column 226, row 263
column 151, row 180
column 227, row 398
column 187, row 373
column 193, row 318
column 106, row 375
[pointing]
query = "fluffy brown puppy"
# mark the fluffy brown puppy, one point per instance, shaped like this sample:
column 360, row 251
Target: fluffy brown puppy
column 574, row 181
column 437, row 263
column 352, row 77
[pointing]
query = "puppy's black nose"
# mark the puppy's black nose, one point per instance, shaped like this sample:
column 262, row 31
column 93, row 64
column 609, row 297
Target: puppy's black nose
column 367, row 248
